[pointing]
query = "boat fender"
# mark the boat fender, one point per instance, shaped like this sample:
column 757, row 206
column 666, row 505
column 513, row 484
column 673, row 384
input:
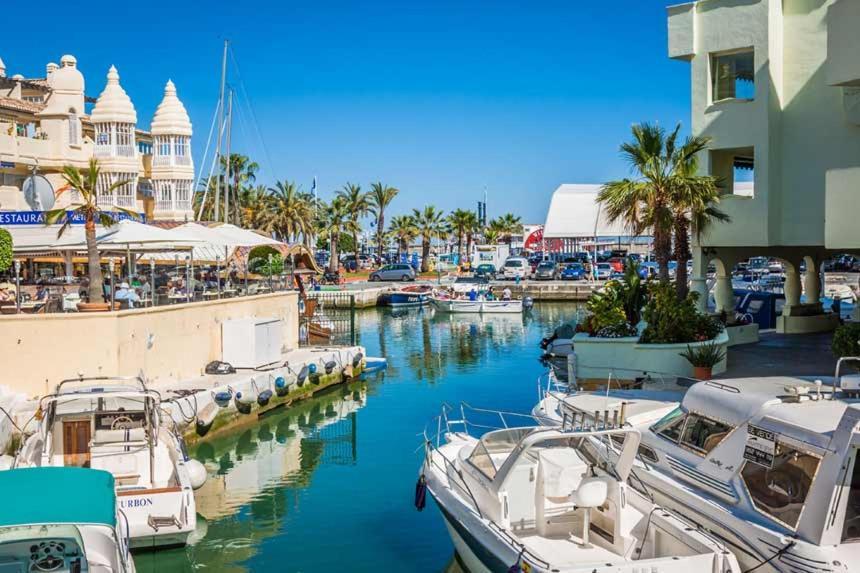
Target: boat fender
column 356, row 360
column 264, row 397
column 312, row 368
column 205, row 418
column 528, row 302
column 244, row 401
column 315, row 378
column 223, row 397
column 303, row 375
column 196, row 473
column 519, row 567
column 329, row 366
column 421, row 493
column 281, row 388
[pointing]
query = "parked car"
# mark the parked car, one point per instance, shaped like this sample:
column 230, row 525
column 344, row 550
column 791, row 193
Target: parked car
column 603, row 271
column 617, row 264
column 546, row 271
column 572, row 272
column 515, row 267
column 486, row 270
column 394, row 273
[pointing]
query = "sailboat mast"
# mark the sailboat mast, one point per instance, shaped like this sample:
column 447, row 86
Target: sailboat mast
column 229, row 163
column 220, row 126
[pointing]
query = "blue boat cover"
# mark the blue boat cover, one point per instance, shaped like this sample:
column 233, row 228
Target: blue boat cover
column 57, row 495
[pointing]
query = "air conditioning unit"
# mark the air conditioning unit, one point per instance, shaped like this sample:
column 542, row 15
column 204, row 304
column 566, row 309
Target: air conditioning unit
column 251, row 342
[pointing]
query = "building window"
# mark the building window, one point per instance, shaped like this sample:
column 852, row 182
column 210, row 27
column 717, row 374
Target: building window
column 780, row 491
column 743, row 175
column 733, row 76
column 74, row 127
column 735, row 170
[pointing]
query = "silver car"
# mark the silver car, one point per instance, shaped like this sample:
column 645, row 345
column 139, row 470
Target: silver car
column 547, row 270
column 396, row 272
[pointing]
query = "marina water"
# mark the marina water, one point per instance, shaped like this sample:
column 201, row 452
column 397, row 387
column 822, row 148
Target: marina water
column 328, row 484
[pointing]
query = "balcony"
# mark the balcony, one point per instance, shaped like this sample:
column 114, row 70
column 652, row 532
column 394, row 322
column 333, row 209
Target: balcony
column 843, row 44
column 682, row 31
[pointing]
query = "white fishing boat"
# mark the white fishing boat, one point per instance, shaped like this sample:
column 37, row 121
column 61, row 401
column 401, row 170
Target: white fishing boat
column 769, row 465
column 539, row 499
column 464, row 305
column 81, row 532
column 116, row 425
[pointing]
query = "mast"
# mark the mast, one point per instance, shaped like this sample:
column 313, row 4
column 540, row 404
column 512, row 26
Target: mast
column 229, row 163
column 220, row 130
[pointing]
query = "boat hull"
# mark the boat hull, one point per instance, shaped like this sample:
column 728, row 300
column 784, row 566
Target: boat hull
column 398, row 299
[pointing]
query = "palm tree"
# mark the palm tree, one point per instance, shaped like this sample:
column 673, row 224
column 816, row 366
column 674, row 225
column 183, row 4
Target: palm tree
column 380, row 197
column 492, row 235
column 431, row 224
column 358, row 206
column 404, row 230
column 508, row 225
column 472, row 226
column 694, row 203
column 86, row 185
column 255, row 208
column 242, row 171
column 644, row 202
column 459, row 221
column 334, row 219
column 291, row 212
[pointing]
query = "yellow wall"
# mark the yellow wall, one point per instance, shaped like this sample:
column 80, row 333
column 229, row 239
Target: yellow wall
column 37, row 351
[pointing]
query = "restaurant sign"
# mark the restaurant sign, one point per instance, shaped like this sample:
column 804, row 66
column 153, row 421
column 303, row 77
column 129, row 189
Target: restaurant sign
column 38, row 217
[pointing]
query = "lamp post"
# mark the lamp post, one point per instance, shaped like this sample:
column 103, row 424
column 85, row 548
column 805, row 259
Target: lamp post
column 218, row 274
column 112, row 289
column 152, row 282
column 17, row 286
column 187, row 279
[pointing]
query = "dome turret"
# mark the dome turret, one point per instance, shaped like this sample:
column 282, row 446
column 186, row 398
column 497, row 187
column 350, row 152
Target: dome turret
column 2, row 69
column 113, row 104
column 170, row 117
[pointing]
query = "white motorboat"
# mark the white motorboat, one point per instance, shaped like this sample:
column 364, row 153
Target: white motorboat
column 539, row 499
column 81, row 532
column 770, row 465
column 116, row 425
column 460, row 305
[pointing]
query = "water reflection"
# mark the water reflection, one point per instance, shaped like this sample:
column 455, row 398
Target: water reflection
column 255, row 475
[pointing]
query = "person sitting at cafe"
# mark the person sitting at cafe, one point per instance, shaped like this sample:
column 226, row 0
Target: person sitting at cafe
column 506, row 294
column 490, row 294
column 41, row 293
column 5, row 295
column 128, row 294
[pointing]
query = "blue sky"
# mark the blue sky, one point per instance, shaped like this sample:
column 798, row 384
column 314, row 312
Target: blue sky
column 439, row 98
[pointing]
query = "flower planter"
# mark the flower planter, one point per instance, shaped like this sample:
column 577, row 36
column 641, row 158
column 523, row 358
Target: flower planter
column 702, row 372
column 96, row 306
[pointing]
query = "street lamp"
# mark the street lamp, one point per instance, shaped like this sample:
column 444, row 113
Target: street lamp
column 152, row 282
column 112, row 289
column 17, row 286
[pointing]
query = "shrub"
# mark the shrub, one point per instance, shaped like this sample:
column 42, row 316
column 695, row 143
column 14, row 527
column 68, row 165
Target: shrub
column 673, row 321
column 845, row 340
column 5, row 250
column 616, row 309
column 704, row 356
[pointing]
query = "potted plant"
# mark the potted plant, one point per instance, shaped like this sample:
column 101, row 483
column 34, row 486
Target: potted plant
column 703, row 359
column 86, row 184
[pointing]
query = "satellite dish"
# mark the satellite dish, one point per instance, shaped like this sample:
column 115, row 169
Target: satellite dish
column 39, row 193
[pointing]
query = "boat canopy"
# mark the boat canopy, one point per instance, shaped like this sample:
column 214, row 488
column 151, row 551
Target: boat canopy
column 31, row 496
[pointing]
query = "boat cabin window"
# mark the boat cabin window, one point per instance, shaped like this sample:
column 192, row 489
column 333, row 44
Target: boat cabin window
column 494, row 448
column 671, row 426
column 703, row 434
column 851, row 528
column 780, row 490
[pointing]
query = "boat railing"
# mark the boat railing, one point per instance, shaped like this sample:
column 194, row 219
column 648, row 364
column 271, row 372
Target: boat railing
column 521, row 547
column 432, row 454
column 506, row 419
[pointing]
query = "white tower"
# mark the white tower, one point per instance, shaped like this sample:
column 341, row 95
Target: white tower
column 61, row 118
column 114, row 119
column 172, row 166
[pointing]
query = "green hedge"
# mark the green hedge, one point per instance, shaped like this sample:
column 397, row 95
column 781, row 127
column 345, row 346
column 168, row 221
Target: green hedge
column 5, row 250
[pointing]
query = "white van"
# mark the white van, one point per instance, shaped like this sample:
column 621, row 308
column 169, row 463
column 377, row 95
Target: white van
column 516, row 267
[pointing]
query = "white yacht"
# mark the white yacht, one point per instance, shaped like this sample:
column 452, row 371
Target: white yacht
column 479, row 305
column 116, row 425
column 83, row 533
column 539, row 499
column 769, row 465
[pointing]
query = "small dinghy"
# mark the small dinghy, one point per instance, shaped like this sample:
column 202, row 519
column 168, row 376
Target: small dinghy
column 415, row 295
column 542, row 500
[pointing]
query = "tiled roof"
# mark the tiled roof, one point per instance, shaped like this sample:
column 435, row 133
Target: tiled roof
column 41, row 82
column 21, row 105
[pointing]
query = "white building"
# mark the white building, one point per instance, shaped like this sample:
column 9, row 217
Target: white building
column 774, row 85
column 44, row 126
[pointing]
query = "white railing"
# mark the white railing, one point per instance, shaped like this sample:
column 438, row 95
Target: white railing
column 108, row 150
column 161, row 160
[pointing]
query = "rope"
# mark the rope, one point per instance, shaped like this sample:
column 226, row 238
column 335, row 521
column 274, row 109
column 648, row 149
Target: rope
column 791, row 544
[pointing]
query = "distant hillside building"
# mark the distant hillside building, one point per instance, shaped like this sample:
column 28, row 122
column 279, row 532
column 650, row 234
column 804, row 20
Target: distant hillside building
column 44, row 126
column 776, row 86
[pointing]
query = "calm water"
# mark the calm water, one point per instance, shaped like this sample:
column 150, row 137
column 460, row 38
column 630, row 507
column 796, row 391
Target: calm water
column 328, row 485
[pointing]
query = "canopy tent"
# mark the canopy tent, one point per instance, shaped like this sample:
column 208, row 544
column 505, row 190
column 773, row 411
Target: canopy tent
column 575, row 213
column 126, row 235
column 243, row 237
column 211, row 246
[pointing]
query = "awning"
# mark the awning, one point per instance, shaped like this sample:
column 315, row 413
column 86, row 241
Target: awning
column 575, row 213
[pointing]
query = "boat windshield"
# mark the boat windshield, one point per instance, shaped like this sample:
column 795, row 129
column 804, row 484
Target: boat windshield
column 851, row 528
column 494, row 448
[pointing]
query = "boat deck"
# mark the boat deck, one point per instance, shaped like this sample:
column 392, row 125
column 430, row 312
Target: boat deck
column 567, row 551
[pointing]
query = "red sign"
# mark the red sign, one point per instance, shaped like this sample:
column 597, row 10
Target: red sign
column 535, row 242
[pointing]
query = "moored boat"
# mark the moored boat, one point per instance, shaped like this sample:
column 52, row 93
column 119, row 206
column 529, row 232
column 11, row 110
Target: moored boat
column 538, row 499
column 82, row 532
column 416, row 295
column 117, row 425
column 465, row 305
